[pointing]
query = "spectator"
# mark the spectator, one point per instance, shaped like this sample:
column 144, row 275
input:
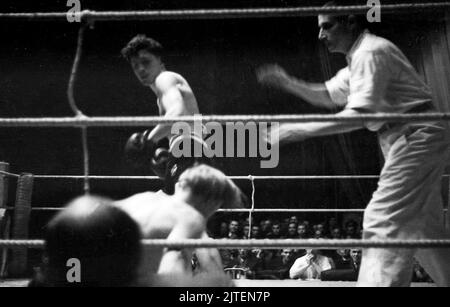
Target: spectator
column 276, row 231
column 246, row 232
column 229, row 257
column 342, row 259
column 223, row 230
column 307, row 227
column 293, row 219
column 332, row 224
column 321, row 228
column 347, row 267
column 288, row 257
column 233, row 229
column 270, row 262
column 356, row 257
column 318, row 234
column 256, row 232
column 336, row 233
column 310, row 266
column 351, row 230
column 284, row 227
column 248, row 262
column 302, row 232
column 292, row 231
column 266, row 227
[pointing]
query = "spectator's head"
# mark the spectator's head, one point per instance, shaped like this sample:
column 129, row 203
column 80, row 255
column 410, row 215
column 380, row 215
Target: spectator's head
column 301, row 231
column 336, row 233
column 276, row 229
column 343, row 252
column 287, row 255
column 245, row 254
column 101, row 238
column 320, row 227
column 223, row 230
column 256, row 232
column 266, row 225
column 292, row 229
column 293, row 219
column 351, row 228
column 245, row 231
column 233, row 227
column 356, row 255
column 318, row 234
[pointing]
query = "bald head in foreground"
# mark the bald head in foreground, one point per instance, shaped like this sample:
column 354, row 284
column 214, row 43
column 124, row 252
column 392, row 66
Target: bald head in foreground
column 90, row 243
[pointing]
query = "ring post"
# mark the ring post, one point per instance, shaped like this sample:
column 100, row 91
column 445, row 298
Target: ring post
column 4, row 225
column 22, row 211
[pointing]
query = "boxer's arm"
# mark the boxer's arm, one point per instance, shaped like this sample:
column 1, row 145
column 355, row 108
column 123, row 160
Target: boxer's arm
column 288, row 133
column 175, row 261
column 172, row 102
column 209, row 258
column 314, row 93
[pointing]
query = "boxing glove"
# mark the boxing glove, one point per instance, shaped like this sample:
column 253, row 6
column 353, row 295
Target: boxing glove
column 159, row 161
column 139, row 150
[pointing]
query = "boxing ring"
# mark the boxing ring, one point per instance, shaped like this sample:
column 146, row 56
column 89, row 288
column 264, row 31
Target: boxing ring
column 14, row 220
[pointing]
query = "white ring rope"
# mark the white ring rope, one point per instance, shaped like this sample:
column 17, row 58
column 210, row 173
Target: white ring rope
column 77, row 177
column 266, row 243
column 145, row 121
column 271, row 210
column 91, row 16
column 101, row 177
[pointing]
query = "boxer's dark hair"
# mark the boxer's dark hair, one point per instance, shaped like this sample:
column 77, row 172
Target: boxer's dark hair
column 142, row 42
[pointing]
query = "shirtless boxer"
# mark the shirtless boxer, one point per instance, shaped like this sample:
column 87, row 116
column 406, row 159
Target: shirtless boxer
column 174, row 98
column 200, row 191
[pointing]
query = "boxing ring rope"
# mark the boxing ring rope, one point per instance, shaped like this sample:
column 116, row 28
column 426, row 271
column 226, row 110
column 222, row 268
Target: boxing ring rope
column 250, row 177
column 145, row 121
column 90, row 16
column 100, row 177
column 252, row 209
column 74, row 107
column 84, row 122
column 264, row 244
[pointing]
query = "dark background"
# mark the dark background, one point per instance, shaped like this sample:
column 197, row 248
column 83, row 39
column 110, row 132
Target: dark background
column 217, row 57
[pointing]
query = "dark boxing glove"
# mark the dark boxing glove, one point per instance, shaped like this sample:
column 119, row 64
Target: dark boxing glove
column 159, row 162
column 139, row 150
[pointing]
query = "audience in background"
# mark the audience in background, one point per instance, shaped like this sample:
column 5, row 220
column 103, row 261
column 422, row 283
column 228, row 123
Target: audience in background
column 341, row 265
